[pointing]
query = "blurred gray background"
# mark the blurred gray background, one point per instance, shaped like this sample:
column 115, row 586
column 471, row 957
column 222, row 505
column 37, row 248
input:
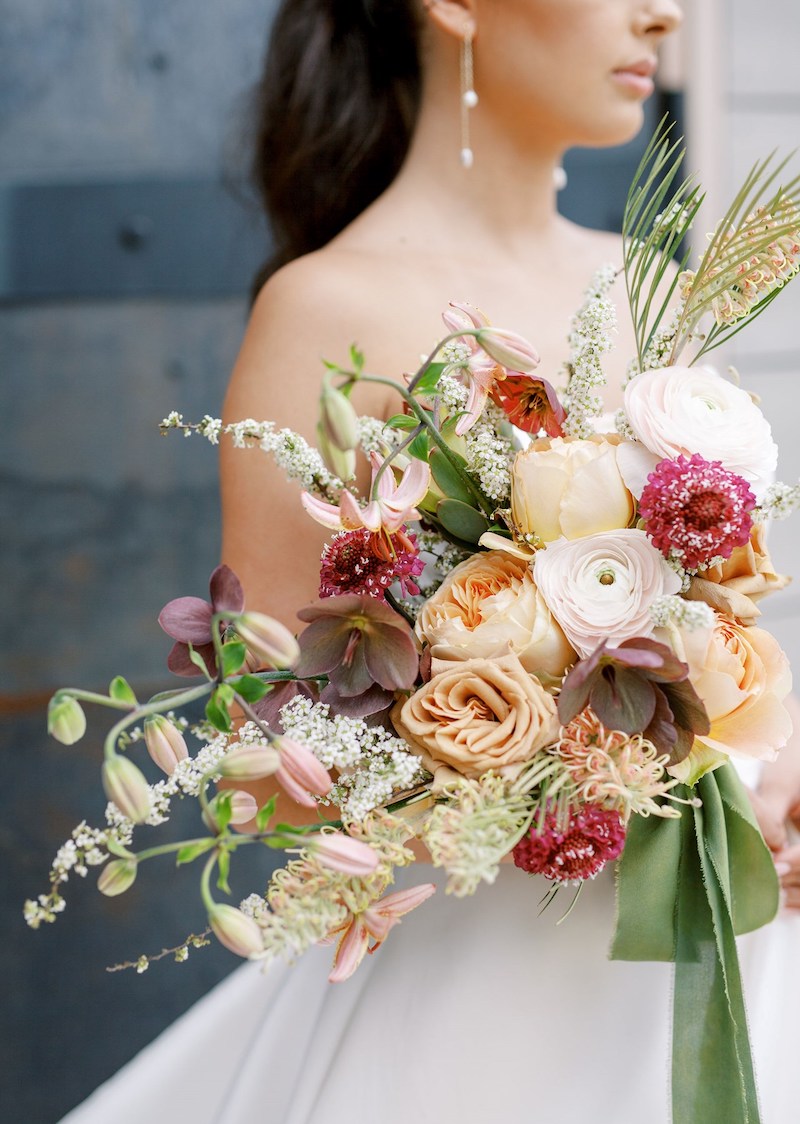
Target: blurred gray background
column 126, row 250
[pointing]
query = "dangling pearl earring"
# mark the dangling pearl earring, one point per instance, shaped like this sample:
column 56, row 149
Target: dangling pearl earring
column 469, row 99
column 559, row 178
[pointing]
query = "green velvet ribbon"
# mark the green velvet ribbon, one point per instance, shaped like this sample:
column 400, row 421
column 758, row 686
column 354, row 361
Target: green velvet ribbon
column 685, row 889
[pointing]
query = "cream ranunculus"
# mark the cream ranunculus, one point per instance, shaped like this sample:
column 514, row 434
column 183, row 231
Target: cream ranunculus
column 690, row 410
column 571, row 487
column 478, row 715
column 742, row 676
column 488, row 606
column 601, row 587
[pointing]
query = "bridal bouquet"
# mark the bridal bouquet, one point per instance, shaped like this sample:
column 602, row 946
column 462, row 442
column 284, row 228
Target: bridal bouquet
column 536, row 636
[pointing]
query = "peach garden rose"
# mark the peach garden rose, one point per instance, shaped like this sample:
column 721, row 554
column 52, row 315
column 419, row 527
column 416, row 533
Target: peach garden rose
column 742, row 675
column 569, row 487
column 489, row 605
column 478, row 715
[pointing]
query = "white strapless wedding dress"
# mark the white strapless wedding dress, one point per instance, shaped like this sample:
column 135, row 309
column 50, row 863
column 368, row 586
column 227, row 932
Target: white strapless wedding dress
column 472, row 1012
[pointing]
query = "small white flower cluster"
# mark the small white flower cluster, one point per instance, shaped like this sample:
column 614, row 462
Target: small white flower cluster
column 87, row 847
column 779, row 501
column 374, row 437
column 671, row 609
column 452, row 392
column 455, row 353
column 589, row 340
column 489, row 454
column 473, row 829
column 372, row 764
column 292, row 452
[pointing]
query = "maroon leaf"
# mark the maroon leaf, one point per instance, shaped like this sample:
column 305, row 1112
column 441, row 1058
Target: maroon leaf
column 688, row 708
column 577, row 686
column 623, row 700
column 662, row 731
column 226, row 591
column 179, row 661
column 392, row 659
column 657, row 661
column 187, row 619
column 322, row 646
column 372, row 701
column 353, row 677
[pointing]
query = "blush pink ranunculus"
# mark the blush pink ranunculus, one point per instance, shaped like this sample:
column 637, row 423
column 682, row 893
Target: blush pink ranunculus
column 600, row 588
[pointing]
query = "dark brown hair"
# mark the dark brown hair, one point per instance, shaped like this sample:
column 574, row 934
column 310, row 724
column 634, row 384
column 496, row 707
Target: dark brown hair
column 333, row 116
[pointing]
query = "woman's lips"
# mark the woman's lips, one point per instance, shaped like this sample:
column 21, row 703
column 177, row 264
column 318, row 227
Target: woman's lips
column 637, row 77
column 641, row 84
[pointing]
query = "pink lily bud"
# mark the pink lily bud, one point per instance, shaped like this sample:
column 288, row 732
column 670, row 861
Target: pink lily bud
column 244, row 807
column 341, row 463
column 165, row 743
column 340, row 852
column 250, row 762
column 268, row 638
column 508, row 349
column 126, row 787
column 300, row 773
column 117, row 877
column 235, row 930
column 462, row 316
column 66, row 721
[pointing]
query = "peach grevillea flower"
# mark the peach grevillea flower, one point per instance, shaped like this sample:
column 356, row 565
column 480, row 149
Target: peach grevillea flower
column 487, row 358
column 575, row 850
column 477, row 715
column 395, row 503
column 489, row 605
column 373, row 924
column 695, row 510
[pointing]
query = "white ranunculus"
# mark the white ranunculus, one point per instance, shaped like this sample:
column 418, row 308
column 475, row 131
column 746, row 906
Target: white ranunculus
column 601, row 587
column 686, row 410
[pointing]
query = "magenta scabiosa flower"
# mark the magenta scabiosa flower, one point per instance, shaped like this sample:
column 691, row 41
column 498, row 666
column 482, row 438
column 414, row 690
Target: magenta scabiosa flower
column 696, row 510
column 575, row 850
column 361, row 561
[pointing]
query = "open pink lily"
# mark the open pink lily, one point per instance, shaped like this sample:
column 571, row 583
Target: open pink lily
column 373, row 924
column 394, row 506
column 490, row 354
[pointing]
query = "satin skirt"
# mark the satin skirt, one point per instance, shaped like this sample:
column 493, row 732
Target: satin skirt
column 475, row 1010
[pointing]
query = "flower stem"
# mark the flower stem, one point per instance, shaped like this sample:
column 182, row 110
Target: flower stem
column 154, row 706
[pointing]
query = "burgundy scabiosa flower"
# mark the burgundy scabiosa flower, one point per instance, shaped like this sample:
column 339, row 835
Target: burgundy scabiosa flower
column 696, row 510
column 573, row 851
column 363, row 561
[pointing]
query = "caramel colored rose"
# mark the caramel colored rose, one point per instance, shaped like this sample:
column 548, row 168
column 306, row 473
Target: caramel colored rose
column 489, row 606
column 478, row 715
column 734, row 586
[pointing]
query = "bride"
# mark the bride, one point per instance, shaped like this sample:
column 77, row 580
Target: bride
column 389, row 197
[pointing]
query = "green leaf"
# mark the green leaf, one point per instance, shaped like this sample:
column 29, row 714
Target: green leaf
column 218, row 715
column 251, row 688
column 357, row 358
column 222, row 808
column 193, row 851
column 265, row 813
column 462, row 520
column 401, row 421
column 223, row 870
column 234, row 654
column 117, row 849
column 225, row 694
column 198, row 661
column 419, row 446
column 430, row 379
column 448, row 478
column 121, row 690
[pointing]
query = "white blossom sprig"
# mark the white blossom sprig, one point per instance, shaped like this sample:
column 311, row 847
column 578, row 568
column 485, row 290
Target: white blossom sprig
column 589, row 339
column 779, row 502
column 291, row 452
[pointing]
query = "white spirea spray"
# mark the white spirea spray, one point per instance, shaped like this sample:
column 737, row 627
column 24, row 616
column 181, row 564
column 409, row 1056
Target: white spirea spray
column 589, row 340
